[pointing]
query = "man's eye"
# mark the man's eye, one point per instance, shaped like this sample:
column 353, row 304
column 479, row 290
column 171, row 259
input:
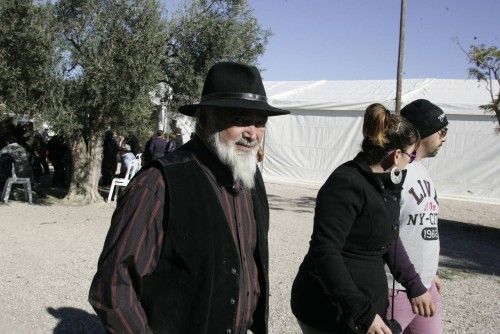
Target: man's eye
column 260, row 123
column 239, row 121
column 242, row 121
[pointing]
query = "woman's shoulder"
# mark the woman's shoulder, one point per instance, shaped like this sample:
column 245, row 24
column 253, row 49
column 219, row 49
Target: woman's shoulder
column 348, row 171
column 344, row 176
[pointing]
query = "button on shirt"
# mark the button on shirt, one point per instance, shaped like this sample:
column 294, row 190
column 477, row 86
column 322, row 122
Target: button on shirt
column 133, row 244
column 237, row 204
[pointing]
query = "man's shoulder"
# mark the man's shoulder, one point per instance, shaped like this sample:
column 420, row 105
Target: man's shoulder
column 150, row 178
column 14, row 148
column 417, row 170
column 8, row 148
column 159, row 140
column 176, row 157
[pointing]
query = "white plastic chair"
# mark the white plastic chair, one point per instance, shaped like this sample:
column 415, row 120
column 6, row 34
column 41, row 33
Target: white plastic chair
column 25, row 181
column 117, row 182
column 138, row 156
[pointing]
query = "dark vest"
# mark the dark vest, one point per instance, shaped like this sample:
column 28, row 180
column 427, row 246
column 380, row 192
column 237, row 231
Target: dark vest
column 193, row 288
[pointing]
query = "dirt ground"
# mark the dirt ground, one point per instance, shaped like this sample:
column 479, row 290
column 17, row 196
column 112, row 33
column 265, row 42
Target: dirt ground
column 49, row 254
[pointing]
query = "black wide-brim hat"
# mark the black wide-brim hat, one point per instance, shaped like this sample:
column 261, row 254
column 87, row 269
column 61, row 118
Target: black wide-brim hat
column 233, row 86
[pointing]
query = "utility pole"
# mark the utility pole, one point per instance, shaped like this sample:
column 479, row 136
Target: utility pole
column 402, row 29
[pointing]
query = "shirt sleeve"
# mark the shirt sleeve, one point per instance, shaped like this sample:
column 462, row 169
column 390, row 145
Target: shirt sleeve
column 151, row 147
column 403, row 270
column 338, row 204
column 131, row 251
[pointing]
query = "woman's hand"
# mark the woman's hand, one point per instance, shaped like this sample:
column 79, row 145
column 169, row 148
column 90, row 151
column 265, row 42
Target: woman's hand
column 378, row 326
column 423, row 305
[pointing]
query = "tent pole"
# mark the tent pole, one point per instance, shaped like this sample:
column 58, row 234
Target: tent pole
column 402, row 28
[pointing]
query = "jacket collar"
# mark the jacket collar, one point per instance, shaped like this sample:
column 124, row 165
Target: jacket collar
column 380, row 181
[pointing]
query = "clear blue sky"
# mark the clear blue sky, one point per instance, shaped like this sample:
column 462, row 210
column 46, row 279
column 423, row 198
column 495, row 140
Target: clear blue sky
column 358, row 39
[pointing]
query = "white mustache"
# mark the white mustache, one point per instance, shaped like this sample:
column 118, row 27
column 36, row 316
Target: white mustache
column 247, row 143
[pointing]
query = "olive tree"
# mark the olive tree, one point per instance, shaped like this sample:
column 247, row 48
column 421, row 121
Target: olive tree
column 86, row 66
column 203, row 32
column 111, row 56
column 27, row 51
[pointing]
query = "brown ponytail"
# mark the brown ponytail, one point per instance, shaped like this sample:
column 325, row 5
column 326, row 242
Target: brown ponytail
column 384, row 132
column 374, row 124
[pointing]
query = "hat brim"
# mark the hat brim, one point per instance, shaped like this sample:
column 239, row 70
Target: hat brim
column 264, row 107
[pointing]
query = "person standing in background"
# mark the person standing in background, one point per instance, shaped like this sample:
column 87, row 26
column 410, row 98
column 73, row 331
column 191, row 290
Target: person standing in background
column 133, row 142
column 171, row 144
column 126, row 158
column 418, row 222
column 109, row 158
column 157, row 145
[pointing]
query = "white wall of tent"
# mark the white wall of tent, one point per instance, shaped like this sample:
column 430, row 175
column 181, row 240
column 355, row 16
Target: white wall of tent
column 324, row 130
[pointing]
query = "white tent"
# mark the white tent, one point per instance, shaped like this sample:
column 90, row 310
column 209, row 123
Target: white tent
column 324, row 130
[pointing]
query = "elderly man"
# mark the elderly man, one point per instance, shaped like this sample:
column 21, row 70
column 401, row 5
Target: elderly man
column 418, row 222
column 187, row 248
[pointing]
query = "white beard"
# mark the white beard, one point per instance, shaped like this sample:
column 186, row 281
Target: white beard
column 243, row 165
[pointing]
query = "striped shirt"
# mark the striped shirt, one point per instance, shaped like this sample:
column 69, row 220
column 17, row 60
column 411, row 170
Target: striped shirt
column 238, row 208
column 133, row 244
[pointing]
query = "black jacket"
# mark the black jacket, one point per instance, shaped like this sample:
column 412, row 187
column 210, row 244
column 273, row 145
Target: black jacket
column 193, row 288
column 341, row 283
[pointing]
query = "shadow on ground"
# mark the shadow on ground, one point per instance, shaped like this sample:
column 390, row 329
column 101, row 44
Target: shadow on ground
column 73, row 321
column 304, row 204
column 45, row 194
column 469, row 247
column 465, row 247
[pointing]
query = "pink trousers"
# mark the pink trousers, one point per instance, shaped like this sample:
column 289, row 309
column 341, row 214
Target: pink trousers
column 412, row 323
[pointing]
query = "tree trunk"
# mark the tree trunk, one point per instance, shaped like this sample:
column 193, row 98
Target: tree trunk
column 86, row 170
column 497, row 113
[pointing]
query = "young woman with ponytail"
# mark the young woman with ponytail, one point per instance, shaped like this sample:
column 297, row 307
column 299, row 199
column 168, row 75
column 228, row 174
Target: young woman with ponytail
column 341, row 286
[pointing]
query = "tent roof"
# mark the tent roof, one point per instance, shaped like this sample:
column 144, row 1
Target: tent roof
column 454, row 96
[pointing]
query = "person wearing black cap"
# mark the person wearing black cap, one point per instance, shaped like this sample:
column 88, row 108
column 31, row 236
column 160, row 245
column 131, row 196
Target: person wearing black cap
column 187, row 249
column 418, row 221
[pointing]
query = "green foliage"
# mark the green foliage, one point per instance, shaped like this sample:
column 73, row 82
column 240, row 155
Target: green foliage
column 111, row 53
column 485, row 66
column 26, row 57
column 3, row 112
column 85, row 66
column 485, row 62
column 204, row 32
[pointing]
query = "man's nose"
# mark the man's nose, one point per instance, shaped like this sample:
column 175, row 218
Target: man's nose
column 250, row 131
